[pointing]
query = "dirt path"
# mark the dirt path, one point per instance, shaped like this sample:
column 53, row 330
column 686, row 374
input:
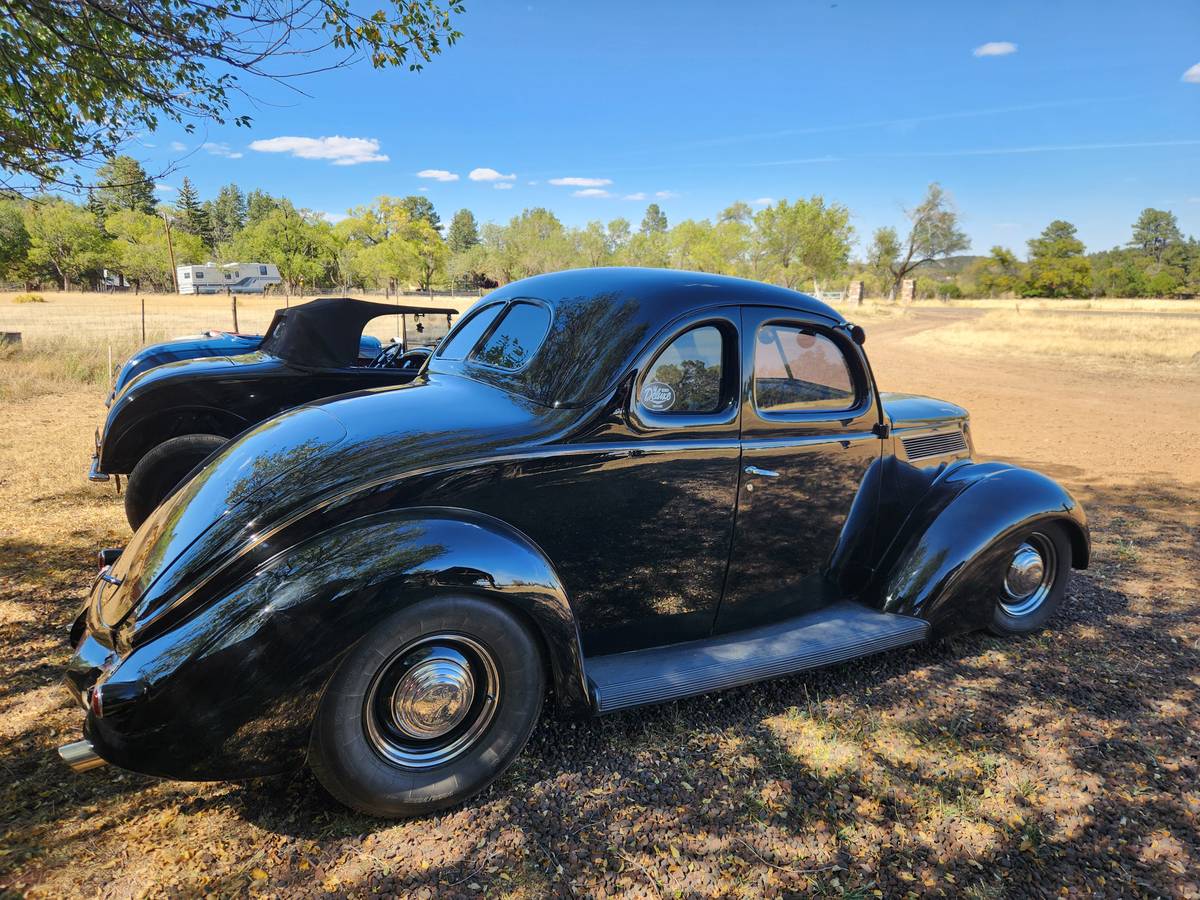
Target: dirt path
column 1104, row 423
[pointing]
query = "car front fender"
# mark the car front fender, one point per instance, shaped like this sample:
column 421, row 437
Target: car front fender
column 232, row 690
column 945, row 558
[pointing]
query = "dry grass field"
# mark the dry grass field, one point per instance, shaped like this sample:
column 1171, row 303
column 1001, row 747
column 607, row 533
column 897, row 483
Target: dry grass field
column 1065, row 763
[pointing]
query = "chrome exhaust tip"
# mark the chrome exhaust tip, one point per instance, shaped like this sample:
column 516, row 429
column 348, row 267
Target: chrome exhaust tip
column 81, row 756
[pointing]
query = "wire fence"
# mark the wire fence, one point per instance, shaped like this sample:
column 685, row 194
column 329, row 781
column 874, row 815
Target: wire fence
column 124, row 318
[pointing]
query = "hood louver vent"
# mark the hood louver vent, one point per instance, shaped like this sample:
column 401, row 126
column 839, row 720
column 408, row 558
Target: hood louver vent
column 928, row 445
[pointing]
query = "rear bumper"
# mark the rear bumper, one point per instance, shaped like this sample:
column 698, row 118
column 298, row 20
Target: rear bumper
column 94, row 473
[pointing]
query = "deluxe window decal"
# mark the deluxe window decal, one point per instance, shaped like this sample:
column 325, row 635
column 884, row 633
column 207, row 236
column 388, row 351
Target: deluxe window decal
column 657, row 396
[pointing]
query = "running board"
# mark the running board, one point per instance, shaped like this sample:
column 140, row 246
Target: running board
column 837, row 633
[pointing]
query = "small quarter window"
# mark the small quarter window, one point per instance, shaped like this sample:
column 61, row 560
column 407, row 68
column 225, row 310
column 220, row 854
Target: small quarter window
column 686, row 376
column 518, row 336
column 464, row 338
column 798, row 370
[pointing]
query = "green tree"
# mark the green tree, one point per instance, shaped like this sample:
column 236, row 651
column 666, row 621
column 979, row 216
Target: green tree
column 419, row 207
column 123, row 184
column 64, row 238
column 1155, row 231
column 259, row 205
column 997, row 273
column 93, row 74
column 933, row 233
column 141, row 252
column 14, row 239
column 804, row 240
column 193, row 217
column 301, row 245
column 655, row 220
column 464, row 231
column 1057, row 267
column 885, row 249
column 227, row 214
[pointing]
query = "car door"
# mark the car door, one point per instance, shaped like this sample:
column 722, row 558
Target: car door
column 637, row 513
column 809, row 469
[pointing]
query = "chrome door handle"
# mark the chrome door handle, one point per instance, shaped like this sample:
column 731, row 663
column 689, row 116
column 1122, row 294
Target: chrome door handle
column 765, row 473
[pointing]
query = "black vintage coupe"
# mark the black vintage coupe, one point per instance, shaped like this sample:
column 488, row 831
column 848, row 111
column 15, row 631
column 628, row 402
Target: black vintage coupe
column 611, row 487
column 168, row 417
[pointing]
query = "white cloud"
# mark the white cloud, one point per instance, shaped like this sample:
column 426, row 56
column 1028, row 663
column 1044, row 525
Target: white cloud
column 503, row 185
column 639, row 195
column 164, row 188
column 1193, row 200
column 438, row 175
column 665, row 195
column 531, row 182
column 178, row 146
column 219, row 149
column 580, row 182
column 995, row 48
column 1192, row 75
column 340, row 151
column 332, row 217
column 486, row 174
column 591, row 192
column 762, row 201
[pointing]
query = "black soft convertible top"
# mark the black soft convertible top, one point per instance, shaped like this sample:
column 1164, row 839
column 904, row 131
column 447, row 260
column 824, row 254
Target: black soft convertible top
column 325, row 333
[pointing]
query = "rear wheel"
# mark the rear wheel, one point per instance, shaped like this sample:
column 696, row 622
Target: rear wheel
column 160, row 471
column 428, row 709
column 1033, row 579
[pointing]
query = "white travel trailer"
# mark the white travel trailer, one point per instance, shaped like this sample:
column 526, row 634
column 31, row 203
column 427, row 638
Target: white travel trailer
column 238, row 278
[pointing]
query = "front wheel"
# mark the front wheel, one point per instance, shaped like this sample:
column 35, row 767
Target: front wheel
column 160, row 471
column 1033, row 579
column 428, row 709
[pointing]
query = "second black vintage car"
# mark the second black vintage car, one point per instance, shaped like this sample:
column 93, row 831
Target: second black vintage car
column 611, row 487
column 164, row 421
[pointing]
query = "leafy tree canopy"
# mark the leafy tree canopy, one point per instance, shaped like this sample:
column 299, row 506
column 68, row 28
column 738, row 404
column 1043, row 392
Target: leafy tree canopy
column 86, row 76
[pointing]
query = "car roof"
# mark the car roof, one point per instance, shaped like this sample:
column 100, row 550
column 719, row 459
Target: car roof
column 670, row 292
column 601, row 318
column 326, row 332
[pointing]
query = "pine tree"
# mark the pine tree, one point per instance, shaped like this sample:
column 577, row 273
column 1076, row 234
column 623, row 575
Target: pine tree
column 655, row 220
column 227, row 213
column 464, row 231
column 193, row 217
column 124, row 184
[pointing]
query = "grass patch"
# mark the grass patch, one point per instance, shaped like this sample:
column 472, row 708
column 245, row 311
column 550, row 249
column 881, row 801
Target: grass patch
column 1120, row 337
column 29, row 298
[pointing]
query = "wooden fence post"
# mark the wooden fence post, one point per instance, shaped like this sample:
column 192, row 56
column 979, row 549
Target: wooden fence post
column 233, row 305
column 143, row 320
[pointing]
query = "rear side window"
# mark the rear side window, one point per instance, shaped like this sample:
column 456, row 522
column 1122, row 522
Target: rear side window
column 513, row 342
column 798, row 370
column 468, row 333
column 686, row 376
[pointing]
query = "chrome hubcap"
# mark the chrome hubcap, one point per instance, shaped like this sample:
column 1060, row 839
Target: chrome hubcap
column 434, row 695
column 1030, row 576
column 431, row 701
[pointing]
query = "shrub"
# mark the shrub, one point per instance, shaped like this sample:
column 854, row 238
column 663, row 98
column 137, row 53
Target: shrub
column 29, row 298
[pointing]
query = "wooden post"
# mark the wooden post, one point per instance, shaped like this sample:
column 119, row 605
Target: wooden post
column 143, row 320
column 171, row 251
column 233, row 306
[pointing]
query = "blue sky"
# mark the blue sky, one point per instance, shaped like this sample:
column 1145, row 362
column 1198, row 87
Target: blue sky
column 1025, row 112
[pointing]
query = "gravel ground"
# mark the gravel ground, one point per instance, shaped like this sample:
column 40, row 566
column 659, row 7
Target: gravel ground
column 1065, row 763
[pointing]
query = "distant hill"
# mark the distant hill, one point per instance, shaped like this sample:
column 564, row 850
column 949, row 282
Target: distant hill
column 951, row 265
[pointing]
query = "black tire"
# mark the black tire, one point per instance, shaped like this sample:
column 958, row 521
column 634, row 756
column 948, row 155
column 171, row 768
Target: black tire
column 160, row 471
column 1018, row 612
column 356, row 721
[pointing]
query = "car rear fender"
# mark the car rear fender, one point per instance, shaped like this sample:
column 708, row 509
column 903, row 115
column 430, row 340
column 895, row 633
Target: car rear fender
column 127, row 439
column 251, row 666
column 943, row 562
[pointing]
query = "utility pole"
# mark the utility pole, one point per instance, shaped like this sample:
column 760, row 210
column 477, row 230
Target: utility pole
column 171, row 251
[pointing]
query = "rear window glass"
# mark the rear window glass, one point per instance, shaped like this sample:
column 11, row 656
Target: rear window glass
column 518, row 336
column 467, row 335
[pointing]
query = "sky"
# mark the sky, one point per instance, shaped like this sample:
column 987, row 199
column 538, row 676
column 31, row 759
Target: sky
column 1024, row 112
